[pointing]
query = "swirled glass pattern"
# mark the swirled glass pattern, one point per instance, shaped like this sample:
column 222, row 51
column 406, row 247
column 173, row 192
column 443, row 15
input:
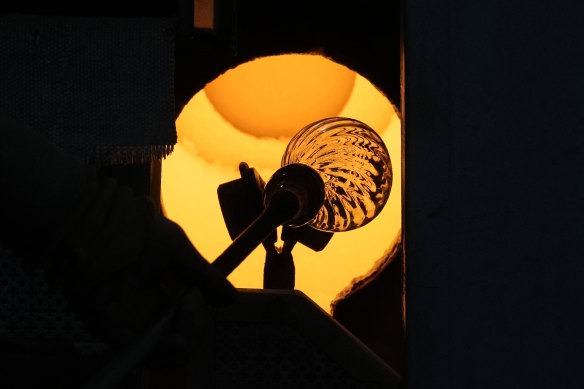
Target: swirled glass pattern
column 355, row 166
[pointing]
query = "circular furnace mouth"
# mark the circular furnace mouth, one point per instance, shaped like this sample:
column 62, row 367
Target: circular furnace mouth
column 249, row 114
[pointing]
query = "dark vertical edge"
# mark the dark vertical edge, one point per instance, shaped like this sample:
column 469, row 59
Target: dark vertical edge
column 402, row 75
column 185, row 16
column 155, row 183
column 427, row 228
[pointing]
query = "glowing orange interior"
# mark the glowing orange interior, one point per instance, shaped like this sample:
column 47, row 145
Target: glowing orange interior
column 231, row 121
column 276, row 96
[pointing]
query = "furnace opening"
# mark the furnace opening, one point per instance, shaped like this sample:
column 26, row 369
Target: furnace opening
column 249, row 114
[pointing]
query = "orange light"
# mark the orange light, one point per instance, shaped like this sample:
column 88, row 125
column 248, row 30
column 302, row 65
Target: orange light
column 211, row 147
column 276, row 96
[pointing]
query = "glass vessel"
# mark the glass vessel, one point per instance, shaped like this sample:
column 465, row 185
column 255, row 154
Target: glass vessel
column 354, row 164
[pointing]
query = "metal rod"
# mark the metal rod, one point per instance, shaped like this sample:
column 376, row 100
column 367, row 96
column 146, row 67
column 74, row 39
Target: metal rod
column 295, row 194
column 281, row 209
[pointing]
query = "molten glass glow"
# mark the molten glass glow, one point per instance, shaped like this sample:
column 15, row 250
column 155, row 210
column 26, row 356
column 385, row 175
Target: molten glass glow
column 276, row 96
column 210, row 149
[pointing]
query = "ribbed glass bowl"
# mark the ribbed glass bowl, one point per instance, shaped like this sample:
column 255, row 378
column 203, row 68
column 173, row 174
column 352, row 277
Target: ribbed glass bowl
column 354, row 164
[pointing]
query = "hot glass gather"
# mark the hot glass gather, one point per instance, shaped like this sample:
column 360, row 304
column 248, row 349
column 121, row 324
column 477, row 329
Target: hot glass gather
column 355, row 166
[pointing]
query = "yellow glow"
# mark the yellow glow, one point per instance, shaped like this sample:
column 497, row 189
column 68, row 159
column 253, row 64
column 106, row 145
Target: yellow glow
column 276, row 96
column 208, row 154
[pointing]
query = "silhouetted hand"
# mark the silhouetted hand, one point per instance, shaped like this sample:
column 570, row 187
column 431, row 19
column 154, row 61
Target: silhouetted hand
column 121, row 265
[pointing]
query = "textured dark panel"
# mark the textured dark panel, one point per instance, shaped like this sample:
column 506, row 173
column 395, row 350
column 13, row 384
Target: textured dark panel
column 98, row 88
column 266, row 355
column 494, row 160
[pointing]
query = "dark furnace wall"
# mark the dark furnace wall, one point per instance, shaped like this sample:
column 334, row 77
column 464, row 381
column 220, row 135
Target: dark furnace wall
column 364, row 37
column 493, row 225
column 494, row 189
